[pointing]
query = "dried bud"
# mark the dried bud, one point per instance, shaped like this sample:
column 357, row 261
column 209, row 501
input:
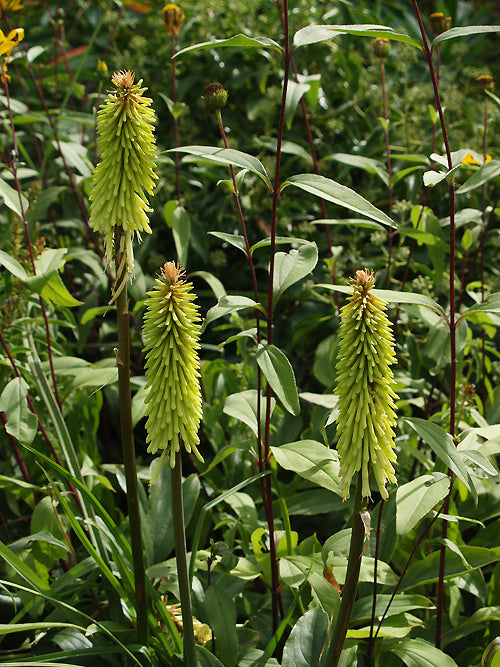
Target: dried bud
column 486, row 82
column 439, row 23
column 215, row 96
column 171, row 337
column 381, row 47
column 125, row 124
column 364, row 386
column 173, row 17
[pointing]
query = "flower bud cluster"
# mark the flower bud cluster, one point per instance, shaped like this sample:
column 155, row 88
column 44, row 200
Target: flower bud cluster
column 365, row 388
column 171, row 337
column 125, row 124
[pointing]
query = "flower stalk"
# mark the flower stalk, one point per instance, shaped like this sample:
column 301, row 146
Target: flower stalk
column 173, row 404
column 118, row 209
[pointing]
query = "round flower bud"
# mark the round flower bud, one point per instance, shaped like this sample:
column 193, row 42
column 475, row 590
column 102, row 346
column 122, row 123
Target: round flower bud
column 173, row 17
column 171, row 338
column 486, row 82
column 215, row 96
column 381, row 47
column 439, row 23
column 126, row 144
column 365, row 389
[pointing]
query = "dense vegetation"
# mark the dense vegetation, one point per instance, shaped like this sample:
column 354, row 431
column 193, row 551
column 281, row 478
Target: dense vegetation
column 335, row 153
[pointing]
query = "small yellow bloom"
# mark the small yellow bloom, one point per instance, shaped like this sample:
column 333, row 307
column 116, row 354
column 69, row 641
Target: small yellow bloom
column 12, row 40
column 173, row 17
column 475, row 159
column 12, row 5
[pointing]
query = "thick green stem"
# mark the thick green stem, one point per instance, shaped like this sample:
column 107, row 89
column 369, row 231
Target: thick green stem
column 182, row 570
column 351, row 580
column 128, row 452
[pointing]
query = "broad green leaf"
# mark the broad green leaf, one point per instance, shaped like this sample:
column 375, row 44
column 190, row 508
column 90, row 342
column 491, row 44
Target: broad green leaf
column 181, row 230
column 215, row 284
column 288, row 147
column 322, row 33
column 279, row 240
column 292, row 266
column 233, row 239
column 239, row 41
column 443, row 446
column 491, row 655
column 390, row 296
column 307, row 643
column 243, row 406
column 21, row 423
column 227, row 156
column 415, row 652
column 23, row 569
column 400, row 175
column 366, row 163
column 206, row 658
column 75, row 155
column 295, row 91
column 13, row 266
column 12, row 199
column 339, row 194
column 385, row 575
column 348, row 222
column 279, row 373
column 362, row 610
column 492, row 305
column 484, row 174
column 312, row 461
column 464, row 32
column 417, row 498
column 55, row 290
column 426, row 570
column 228, row 304
column 422, row 236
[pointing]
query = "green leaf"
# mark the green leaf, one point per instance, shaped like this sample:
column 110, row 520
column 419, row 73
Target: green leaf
column 390, row 296
column 12, row 199
column 279, row 373
column 181, row 230
column 206, row 658
column 229, row 304
column 443, row 446
column 75, row 155
column 367, row 164
column 239, row 41
column 426, row 570
column 292, row 266
column 307, row 643
column 348, row 222
column 21, row 424
column 417, row 498
column 233, row 239
column 492, row 305
column 19, row 566
column 415, row 652
column 227, row 156
column 485, row 173
column 55, row 290
column 13, row 266
column 339, row 194
column 464, row 32
column 321, row 33
column 491, row 655
column 221, row 612
column 295, row 92
column 312, row 461
column 214, row 283
column 362, row 610
column 243, row 406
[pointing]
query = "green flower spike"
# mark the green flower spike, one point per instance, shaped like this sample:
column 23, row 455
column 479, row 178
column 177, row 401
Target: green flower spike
column 171, row 337
column 364, row 386
column 125, row 124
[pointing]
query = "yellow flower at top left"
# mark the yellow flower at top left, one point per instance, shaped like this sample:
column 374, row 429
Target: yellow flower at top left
column 12, row 5
column 12, row 40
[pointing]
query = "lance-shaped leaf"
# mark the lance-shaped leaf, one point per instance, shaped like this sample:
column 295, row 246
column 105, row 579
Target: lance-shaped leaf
column 311, row 460
column 465, row 31
column 484, row 174
column 290, row 267
column 238, row 41
column 340, row 195
column 279, row 373
column 227, row 156
column 321, row 33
